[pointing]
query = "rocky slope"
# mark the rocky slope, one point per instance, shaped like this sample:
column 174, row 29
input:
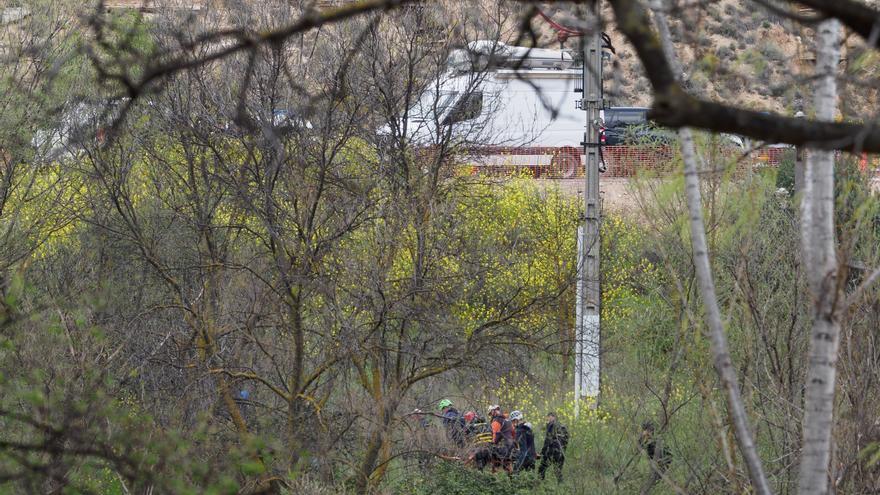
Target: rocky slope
column 738, row 52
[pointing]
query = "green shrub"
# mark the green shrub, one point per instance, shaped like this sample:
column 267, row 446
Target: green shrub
column 450, row 478
column 785, row 173
column 771, row 52
column 729, row 30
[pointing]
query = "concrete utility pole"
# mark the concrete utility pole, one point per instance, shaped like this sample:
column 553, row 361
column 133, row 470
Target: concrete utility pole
column 587, row 336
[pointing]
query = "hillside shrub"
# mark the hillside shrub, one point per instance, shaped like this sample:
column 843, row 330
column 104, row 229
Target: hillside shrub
column 771, row 52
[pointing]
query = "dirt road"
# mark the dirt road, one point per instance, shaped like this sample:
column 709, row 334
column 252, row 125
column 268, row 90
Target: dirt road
column 613, row 191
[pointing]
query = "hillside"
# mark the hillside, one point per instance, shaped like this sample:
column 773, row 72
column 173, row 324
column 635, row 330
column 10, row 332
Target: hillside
column 731, row 51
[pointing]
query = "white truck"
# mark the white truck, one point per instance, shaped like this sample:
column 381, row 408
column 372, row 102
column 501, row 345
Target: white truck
column 508, row 108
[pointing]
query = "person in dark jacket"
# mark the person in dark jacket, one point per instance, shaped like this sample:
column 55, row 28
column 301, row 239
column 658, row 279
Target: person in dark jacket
column 553, row 450
column 659, row 456
column 525, row 443
column 452, row 421
column 419, row 429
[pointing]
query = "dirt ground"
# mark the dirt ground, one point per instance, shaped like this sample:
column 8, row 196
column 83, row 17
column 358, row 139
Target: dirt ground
column 613, row 192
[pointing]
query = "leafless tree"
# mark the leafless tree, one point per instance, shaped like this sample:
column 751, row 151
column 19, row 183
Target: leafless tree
column 264, row 173
column 720, row 351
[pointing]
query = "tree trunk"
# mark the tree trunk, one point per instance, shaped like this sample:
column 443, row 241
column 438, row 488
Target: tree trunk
column 720, row 352
column 376, row 447
column 294, row 404
column 820, row 256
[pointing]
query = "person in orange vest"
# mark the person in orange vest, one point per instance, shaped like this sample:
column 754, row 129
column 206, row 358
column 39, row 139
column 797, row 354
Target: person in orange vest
column 502, row 436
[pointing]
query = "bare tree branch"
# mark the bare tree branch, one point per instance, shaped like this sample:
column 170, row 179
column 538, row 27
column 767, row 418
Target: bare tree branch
column 241, row 40
column 857, row 16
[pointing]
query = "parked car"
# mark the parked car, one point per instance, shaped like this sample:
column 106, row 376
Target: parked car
column 630, row 125
column 617, row 120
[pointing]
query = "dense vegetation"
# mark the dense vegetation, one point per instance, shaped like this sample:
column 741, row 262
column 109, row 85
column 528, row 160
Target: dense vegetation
column 247, row 285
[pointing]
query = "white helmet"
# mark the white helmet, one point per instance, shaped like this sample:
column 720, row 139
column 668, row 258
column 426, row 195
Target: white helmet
column 516, row 416
column 528, row 425
column 492, row 408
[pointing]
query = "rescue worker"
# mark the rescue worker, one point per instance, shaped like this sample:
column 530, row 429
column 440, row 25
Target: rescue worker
column 452, row 421
column 421, row 417
column 660, row 458
column 502, row 437
column 421, row 439
column 553, row 450
column 475, row 428
column 478, row 432
column 525, row 443
column 469, row 418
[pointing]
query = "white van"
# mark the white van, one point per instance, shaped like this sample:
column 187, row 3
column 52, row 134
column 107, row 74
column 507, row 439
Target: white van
column 509, row 107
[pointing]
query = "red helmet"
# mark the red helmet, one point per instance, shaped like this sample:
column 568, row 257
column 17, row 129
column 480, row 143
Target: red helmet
column 469, row 416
